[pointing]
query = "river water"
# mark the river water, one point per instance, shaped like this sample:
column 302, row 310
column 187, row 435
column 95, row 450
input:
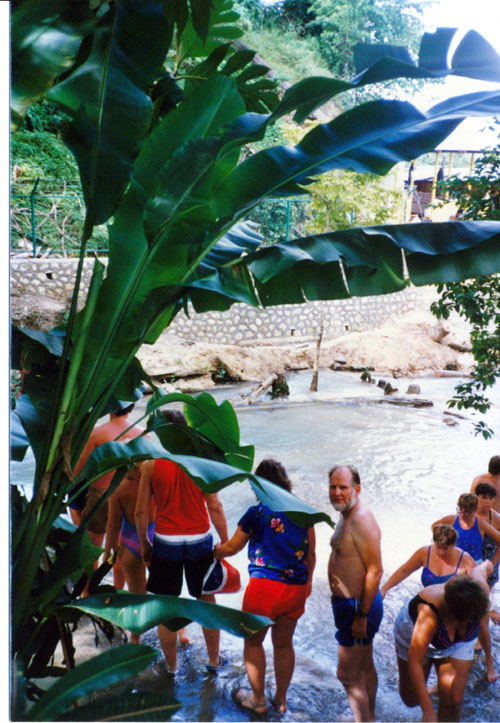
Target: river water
column 413, row 468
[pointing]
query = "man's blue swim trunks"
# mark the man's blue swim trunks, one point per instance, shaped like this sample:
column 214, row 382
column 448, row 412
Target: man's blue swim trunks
column 344, row 609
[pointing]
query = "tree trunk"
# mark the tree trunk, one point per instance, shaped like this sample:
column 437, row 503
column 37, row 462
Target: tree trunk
column 314, row 382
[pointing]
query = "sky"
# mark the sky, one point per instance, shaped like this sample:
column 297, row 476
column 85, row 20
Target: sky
column 484, row 17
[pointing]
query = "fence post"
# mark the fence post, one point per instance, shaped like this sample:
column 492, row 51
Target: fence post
column 33, row 216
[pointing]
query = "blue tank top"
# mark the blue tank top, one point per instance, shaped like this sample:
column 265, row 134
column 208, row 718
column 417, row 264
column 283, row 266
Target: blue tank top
column 429, row 578
column 470, row 540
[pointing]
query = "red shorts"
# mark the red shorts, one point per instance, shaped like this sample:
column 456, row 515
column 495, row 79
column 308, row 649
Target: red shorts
column 273, row 598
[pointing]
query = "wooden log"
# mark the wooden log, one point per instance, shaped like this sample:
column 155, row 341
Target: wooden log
column 260, row 389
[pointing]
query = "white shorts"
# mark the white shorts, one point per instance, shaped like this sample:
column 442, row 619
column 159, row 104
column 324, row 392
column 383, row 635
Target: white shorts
column 403, row 631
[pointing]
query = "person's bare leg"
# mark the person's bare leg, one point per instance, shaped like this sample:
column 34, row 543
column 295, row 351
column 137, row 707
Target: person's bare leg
column 212, row 637
column 168, row 642
column 485, row 640
column 96, row 539
column 134, row 573
column 452, row 679
column 255, row 664
column 183, row 637
column 118, row 575
column 406, row 688
column 284, row 657
column 357, row 674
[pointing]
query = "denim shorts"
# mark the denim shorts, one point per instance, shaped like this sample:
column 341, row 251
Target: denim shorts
column 403, row 631
column 344, row 610
column 171, row 559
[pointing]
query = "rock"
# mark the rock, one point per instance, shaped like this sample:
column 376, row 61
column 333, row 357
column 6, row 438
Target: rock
column 439, row 331
column 450, row 422
column 381, row 383
column 389, row 389
column 413, row 389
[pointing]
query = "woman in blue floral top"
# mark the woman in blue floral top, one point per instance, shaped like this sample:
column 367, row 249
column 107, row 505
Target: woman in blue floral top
column 282, row 558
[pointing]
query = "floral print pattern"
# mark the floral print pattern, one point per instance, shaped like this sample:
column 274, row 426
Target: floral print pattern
column 277, row 548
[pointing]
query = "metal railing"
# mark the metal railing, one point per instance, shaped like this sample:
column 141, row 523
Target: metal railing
column 47, row 217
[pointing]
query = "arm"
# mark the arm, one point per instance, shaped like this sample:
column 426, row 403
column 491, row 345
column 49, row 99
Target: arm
column 217, row 516
column 447, row 520
column 412, row 564
column 232, row 546
column 423, row 632
column 366, row 536
column 489, row 530
column 142, row 509
column 311, row 556
column 113, row 525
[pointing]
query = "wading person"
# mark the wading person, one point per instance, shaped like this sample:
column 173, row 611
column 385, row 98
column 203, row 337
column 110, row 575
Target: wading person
column 182, row 544
column 438, row 561
column 118, row 426
column 492, row 477
column 471, row 530
column 282, row 559
column 354, row 572
column 439, row 627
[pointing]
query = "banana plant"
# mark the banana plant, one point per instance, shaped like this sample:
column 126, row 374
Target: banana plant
column 162, row 110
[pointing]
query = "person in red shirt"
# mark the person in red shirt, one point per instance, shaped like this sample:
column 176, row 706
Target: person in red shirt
column 182, row 544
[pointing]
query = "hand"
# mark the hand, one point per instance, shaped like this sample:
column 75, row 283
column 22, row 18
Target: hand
column 146, row 552
column 309, row 586
column 358, row 628
column 494, row 616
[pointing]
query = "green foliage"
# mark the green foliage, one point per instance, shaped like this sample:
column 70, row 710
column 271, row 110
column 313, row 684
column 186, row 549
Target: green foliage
column 174, row 181
column 344, row 199
column 95, row 674
column 347, row 22
column 40, row 154
column 289, row 55
column 476, row 300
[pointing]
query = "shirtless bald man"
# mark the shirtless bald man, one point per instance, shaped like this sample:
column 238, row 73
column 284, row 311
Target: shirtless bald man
column 354, row 573
column 492, row 477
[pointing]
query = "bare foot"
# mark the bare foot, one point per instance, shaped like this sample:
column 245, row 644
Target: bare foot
column 246, row 700
column 495, row 616
column 282, row 707
column 183, row 638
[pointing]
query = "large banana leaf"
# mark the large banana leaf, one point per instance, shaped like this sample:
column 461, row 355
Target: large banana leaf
column 474, row 57
column 45, row 40
column 99, row 672
column 139, row 613
column 217, row 423
column 208, row 474
column 134, row 706
column 107, row 100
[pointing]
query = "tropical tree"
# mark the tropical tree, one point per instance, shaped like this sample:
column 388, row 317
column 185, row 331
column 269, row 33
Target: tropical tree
column 477, row 300
column 161, row 106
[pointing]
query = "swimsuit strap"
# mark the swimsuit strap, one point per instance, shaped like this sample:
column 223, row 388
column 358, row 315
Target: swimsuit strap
column 428, row 555
column 459, row 561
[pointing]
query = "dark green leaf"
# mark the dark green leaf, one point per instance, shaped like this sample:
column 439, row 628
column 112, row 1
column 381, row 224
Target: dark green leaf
column 45, row 40
column 106, row 97
column 135, row 706
column 95, row 674
column 139, row 613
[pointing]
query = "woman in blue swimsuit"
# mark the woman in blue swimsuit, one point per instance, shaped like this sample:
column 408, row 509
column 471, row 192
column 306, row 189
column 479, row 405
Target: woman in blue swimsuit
column 439, row 561
column 439, row 627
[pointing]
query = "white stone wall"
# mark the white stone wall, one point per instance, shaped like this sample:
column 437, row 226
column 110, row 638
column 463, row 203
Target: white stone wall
column 241, row 323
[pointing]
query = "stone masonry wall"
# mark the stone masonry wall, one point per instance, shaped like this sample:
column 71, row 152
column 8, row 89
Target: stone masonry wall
column 242, row 323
